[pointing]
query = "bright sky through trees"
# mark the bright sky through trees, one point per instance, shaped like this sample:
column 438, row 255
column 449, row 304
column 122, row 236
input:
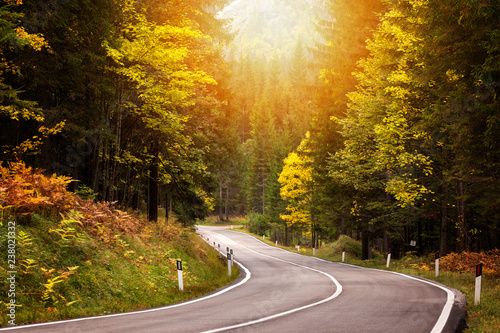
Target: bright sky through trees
column 271, row 27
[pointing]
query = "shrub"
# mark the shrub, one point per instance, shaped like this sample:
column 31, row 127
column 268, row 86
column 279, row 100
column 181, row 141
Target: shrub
column 85, row 192
column 467, row 261
column 352, row 247
column 24, row 190
column 102, row 219
column 258, row 224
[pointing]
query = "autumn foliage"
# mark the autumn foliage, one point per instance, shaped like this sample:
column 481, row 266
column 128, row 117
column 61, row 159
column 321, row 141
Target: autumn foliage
column 24, row 190
column 467, row 261
column 464, row 262
column 103, row 220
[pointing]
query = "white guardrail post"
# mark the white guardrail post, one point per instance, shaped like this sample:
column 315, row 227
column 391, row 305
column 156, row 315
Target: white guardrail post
column 179, row 275
column 437, row 264
column 479, row 275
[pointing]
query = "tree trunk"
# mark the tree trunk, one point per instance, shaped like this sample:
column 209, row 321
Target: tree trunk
column 221, row 217
column 443, row 241
column 286, row 234
column 116, row 153
column 385, row 246
column 95, row 165
column 167, row 208
column 227, row 202
column 462, row 231
column 365, row 244
column 263, row 196
column 420, row 243
column 153, row 184
column 313, row 238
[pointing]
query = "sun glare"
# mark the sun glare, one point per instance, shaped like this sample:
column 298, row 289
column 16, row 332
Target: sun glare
column 270, row 27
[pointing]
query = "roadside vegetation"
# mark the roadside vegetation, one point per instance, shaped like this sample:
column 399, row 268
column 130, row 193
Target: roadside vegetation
column 457, row 270
column 76, row 258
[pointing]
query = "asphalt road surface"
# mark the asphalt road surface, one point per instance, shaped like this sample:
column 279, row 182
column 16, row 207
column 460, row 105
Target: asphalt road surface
column 280, row 291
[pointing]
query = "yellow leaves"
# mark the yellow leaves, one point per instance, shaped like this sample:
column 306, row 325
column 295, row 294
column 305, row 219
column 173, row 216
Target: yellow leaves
column 295, row 177
column 399, row 76
column 327, row 75
column 406, row 191
column 36, row 41
column 68, row 233
column 207, row 199
column 166, row 64
column 453, row 76
column 23, row 239
column 33, row 144
column 50, row 296
column 296, row 186
column 17, row 114
column 27, row 264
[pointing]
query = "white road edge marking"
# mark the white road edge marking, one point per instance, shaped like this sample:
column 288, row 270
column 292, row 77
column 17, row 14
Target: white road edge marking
column 450, row 298
column 256, row 321
column 225, row 290
column 445, row 314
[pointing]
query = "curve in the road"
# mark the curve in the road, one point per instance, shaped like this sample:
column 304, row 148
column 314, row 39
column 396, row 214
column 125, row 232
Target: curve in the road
column 438, row 327
column 269, row 321
column 261, row 320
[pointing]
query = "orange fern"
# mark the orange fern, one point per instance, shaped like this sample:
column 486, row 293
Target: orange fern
column 24, row 190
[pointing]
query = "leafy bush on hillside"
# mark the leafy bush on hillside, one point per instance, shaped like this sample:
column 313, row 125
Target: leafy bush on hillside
column 103, row 220
column 351, row 246
column 464, row 262
column 467, row 261
column 24, row 190
column 77, row 258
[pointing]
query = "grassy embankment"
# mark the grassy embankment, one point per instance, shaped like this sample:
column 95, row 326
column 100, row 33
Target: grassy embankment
column 83, row 275
column 456, row 271
column 92, row 259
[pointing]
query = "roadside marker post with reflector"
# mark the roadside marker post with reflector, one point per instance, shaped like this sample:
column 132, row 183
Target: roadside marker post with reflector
column 179, row 275
column 314, row 251
column 479, row 275
column 389, row 258
column 343, row 254
column 229, row 264
column 437, row 264
column 232, row 256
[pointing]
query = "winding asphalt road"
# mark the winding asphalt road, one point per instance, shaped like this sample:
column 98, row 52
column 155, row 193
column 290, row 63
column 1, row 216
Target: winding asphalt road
column 280, row 291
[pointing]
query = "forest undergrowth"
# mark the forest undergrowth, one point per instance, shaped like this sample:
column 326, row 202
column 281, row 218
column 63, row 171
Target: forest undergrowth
column 75, row 258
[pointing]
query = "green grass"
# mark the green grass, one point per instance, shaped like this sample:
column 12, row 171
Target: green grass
column 482, row 318
column 233, row 220
column 131, row 272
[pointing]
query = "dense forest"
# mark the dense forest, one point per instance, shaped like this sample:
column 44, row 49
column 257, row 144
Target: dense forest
column 378, row 119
